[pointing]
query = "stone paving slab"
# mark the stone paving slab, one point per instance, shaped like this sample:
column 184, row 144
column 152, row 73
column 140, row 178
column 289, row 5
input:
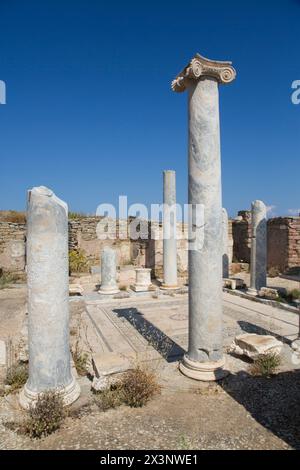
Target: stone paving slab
column 149, row 329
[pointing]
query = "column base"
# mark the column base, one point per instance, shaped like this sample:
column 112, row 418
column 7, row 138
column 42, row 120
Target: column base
column 251, row 291
column 138, row 288
column 203, row 371
column 169, row 287
column 109, row 291
column 69, row 394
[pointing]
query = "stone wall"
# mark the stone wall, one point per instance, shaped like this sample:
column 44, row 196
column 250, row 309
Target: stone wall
column 283, row 242
column 83, row 236
column 241, row 233
column 12, row 247
column 145, row 250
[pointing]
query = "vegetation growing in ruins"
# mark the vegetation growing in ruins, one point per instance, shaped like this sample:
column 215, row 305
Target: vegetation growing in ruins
column 273, row 272
column 135, row 389
column 6, row 279
column 17, row 376
column 76, row 215
column 14, row 217
column 81, row 362
column 294, row 294
column 109, row 398
column 45, row 416
column 80, row 358
column 265, row 365
column 289, row 297
column 78, row 262
column 138, row 386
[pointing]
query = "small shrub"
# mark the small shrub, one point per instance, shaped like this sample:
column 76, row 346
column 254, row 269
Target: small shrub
column 134, row 389
column 45, row 416
column 81, row 362
column 6, row 279
column 295, row 294
column 123, row 288
column 78, row 262
column 14, row 217
column 265, row 365
column 17, row 376
column 185, row 443
column 138, row 386
column 80, row 358
column 76, row 215
column 110, row 398
column 274, row 272
column 73, row 331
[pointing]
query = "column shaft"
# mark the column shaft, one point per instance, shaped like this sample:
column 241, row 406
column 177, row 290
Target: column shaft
column 205, row 262
column 108, row 272
column 225, row 255
column 169, row 231
column 48, row 298
column 258, row 264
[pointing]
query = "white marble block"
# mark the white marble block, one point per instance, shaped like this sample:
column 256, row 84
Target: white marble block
column 143, row 280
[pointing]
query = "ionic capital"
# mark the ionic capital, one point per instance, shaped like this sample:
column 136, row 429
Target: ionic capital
column 200, row 67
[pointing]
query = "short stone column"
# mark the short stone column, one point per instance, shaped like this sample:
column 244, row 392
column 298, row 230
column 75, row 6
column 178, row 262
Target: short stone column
column 48, row 298
column 258, row 262
column 225, row 256
column 169, row 231
column 204, row 359
column 108, row 272
column 143, row 280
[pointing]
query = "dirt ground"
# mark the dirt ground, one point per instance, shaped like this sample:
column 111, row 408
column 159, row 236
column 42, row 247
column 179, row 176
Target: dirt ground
column 241, row 412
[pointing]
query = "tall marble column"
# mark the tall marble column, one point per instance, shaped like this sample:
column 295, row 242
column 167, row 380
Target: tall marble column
column 169, row 231
column 225, row 255
column 258, row 262
column 48, row 298
column 108, row 272
column 201, row 77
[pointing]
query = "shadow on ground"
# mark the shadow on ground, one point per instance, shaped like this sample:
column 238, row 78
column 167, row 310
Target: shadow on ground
column 162, row 343
column 273, row 402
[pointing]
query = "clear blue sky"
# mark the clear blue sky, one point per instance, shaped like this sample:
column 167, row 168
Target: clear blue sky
column 90, row 112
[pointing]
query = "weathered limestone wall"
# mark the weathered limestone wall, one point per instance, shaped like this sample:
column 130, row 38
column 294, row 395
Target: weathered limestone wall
column 284, row 243
column 12, row 247
column 241, row 234
column 83, row 235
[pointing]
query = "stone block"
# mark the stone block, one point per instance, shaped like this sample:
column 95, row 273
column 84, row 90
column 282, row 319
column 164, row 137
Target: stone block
column 268, row 293
column 109, row 364
column 233, row 283
column 253, row 345
column 150, row 288
column 296, row 345
column 75, row 289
